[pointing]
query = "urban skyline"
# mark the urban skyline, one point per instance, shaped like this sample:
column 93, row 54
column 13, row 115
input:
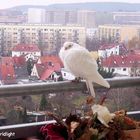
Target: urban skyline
column 9, row 3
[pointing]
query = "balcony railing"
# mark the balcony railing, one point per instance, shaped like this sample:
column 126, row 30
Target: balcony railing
column 32, row 129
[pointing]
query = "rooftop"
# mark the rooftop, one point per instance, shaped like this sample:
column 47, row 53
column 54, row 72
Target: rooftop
column 26, row 48
column 129, row 60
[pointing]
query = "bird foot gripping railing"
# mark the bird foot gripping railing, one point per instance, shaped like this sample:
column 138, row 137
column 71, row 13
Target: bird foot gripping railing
column 32, row 129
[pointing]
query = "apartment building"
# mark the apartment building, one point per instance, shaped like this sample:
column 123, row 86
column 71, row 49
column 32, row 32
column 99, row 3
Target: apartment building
column 12, row 16
column 61, row 17
column 47, row 37
column 36, row 15
column 126, row 17
column 84, row 18
column 119, row 32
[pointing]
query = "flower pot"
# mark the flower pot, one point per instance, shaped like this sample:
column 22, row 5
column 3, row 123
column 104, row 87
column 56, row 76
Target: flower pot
column 131, row 134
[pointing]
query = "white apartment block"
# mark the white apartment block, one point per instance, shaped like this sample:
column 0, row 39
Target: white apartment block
column 86, row 18
column 36, row 15
column 49, row 37
column 61, row 17
column 126, row 17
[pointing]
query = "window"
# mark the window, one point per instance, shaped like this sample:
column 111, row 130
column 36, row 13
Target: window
column 124, row 69
column 113, row 69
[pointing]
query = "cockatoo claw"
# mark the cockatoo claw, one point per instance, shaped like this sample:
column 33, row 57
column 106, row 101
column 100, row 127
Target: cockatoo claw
column 86, row 92
column 77, row 80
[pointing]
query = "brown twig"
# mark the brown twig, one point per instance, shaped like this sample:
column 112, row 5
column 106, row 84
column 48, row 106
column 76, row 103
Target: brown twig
column 58, row 120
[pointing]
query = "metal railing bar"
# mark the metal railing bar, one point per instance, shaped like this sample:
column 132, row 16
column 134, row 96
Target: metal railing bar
column 16, row 126
column 64, row 86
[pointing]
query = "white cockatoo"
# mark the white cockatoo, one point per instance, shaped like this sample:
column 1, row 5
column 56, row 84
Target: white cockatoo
column 80, row 63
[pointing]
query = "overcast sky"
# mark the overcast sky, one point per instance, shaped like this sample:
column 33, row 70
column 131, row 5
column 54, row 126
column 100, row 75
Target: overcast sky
column 11, row 3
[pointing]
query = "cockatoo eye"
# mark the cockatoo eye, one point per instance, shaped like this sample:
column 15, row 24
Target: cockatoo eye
column 68, row 47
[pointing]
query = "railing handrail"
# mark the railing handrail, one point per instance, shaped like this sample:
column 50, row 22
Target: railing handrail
column 63, row 86
column 9, row 127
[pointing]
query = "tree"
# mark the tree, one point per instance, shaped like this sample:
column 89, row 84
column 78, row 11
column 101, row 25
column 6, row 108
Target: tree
column 134, row 43
column 123, row 98
column 92, row 44
column 105, row 73
column 2, row 44
column 24, row 116
column 58, row 41
column 75, row 36
column 22, row 37
column 62, row 103
column 30, row 65
column 43, row 103
column 14, row 116
column 40, row 40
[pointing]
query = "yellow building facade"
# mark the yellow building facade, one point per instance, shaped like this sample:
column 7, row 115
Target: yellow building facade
column 48, row 36
column 119, row 32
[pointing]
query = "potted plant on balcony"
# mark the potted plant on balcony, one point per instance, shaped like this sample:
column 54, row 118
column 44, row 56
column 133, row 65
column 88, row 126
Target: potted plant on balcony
column 97, row 124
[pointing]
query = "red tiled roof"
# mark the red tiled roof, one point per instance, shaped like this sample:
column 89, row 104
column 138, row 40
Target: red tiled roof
column 52, row 58
column 26, row 48
column 137, row 52
column 128, row 60
column 12, row 60
column 46, row 74
column 41, row 68
column 9, row 67
column 19, row 60
column 54, row 66
column 107, row 46
column 6, row 60
column 7, row 72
